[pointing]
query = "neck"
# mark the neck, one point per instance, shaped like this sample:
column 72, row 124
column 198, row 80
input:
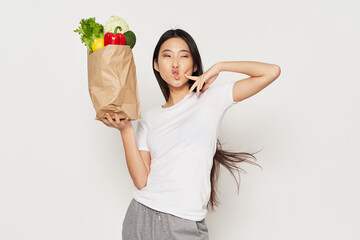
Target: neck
column 176, row 95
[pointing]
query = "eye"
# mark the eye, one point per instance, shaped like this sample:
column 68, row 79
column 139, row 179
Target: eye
column 184, row 56
column 166, row 55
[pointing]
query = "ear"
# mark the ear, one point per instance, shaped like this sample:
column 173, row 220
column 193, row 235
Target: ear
column 195, row 68
column 156, row 66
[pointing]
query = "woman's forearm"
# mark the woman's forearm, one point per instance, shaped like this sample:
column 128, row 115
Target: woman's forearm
column 251, row 68
column 136, row 166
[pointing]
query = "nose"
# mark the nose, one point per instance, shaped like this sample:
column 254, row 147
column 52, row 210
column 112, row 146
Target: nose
column 175, row 64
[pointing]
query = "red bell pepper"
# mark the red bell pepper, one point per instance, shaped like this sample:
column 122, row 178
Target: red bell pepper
column 114, row 38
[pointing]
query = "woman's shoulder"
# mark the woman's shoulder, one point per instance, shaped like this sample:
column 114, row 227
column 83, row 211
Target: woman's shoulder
column 220, row 95
column 148, row 114
column 220, row 87
column 216, row 90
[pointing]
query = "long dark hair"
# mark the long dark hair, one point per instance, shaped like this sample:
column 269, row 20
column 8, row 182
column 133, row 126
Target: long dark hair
column 225, row 158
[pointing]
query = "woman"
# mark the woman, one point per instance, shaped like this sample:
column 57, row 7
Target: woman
column 173, row 160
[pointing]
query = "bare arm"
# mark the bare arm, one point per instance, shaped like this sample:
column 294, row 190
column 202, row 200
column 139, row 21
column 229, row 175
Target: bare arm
column 262, row 74
column 138, row 162
column 138, row 170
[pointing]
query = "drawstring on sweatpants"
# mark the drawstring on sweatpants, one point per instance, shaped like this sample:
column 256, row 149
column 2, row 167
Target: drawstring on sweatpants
column 157, row 212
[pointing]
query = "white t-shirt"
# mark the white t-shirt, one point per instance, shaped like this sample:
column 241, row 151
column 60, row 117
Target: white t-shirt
column 182, row 142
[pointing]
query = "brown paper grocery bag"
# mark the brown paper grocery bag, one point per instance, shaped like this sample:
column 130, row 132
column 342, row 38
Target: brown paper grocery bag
column 112, row 82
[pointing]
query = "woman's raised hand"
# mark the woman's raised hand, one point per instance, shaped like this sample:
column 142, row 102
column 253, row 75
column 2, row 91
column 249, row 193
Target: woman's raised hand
column 122, row 125
column 207, row 77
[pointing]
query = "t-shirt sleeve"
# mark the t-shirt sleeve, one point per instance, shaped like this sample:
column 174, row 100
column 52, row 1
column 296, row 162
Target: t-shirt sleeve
column 221, row 95
column 141, row 135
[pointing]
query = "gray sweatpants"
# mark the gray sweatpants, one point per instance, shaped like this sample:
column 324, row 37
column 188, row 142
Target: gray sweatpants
column 144, row 223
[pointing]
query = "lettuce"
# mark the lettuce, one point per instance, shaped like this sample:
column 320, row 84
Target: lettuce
column 89, row 30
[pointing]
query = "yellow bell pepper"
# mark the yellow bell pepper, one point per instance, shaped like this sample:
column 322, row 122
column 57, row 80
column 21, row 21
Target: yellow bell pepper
column 97, row 44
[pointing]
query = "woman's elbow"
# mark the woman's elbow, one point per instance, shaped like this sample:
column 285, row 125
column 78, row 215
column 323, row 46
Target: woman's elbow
column 276, row 71
column 140, row 186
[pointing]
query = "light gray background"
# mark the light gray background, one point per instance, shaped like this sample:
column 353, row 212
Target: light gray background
column 63, row 174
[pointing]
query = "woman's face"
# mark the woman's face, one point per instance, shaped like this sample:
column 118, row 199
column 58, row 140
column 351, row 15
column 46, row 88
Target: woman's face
column 174, row 61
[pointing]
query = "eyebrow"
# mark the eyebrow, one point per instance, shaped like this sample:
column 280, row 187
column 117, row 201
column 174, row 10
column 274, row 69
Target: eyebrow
column 183, row 50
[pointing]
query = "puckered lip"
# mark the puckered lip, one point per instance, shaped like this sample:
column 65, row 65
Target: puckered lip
column 174, row 71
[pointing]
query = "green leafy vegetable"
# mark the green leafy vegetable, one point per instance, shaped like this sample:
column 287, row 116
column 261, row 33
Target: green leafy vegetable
column 89, row 30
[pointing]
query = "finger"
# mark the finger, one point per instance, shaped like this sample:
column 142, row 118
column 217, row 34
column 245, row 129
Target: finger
column 202, row 86
column 206, row 86
column 190, row 90
column 198, row 89
column 117, row 120
column 105, row 122
column 199, row 86
column 196, row 84
column 111, row 122
column 191, row 77
column 193, row 86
